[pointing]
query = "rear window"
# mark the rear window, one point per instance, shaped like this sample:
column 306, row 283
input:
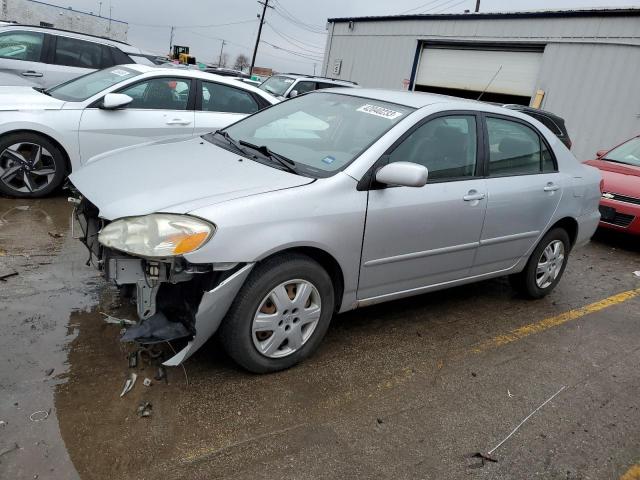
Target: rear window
column 277, row 85
column 80, row 89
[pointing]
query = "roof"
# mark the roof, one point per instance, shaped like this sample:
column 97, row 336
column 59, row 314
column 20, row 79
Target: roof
column 596, row 12
column 124, row 46
column 313, row 77
column 400, row 97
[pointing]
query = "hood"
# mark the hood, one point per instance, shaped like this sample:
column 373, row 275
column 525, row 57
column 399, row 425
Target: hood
column 26, row 98
column 175, row 177
column 619, row 178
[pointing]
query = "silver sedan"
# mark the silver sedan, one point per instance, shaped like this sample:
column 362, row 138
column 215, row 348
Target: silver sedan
column 331, row 201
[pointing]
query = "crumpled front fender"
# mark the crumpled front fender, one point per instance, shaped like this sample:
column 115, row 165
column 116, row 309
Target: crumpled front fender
column 212, row 309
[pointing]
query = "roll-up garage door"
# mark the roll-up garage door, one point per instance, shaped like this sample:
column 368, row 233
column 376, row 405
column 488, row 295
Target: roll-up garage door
column 473, row 69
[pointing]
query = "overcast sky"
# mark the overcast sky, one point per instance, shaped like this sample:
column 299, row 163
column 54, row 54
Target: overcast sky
column 294, row 29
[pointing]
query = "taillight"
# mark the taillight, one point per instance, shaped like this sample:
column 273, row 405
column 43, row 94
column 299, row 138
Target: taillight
column 602, row 185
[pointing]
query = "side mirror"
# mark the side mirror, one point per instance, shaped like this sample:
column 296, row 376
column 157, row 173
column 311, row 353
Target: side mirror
column 404, row 174
column 293, row 93
column 112, row 101
column 601, row 153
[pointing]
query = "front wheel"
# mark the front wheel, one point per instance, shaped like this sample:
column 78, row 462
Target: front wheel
column 30, row 165
column 545, row 266
column 280, row 315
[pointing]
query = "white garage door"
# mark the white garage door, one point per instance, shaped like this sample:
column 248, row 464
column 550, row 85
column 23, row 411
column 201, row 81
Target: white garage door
column 467, row 69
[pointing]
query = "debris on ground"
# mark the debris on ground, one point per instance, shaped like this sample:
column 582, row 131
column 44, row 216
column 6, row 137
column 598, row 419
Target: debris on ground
column 509, row 393
column 49, row 371
column 133, row 359
column 117, row 321
column 39, row 415
column 13, row 447
column 155, row 329
column 637, row 273
column 146, row 382
column 3, row 423
column 487, row 456
column 128, row 384
column 161, row 374
column 144, row 409
column 55, row 235
column 5, row 275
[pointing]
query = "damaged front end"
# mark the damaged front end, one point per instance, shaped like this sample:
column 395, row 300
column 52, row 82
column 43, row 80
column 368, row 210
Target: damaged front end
column 176, row 300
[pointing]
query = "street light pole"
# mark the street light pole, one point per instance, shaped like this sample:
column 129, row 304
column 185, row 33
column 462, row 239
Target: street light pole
column 221, row 48
column 477, row 6
column 255, row 49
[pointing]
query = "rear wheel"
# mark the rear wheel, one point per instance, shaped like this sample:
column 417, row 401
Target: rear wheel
column 30, row 165
column 545, row 266
column 280, row 315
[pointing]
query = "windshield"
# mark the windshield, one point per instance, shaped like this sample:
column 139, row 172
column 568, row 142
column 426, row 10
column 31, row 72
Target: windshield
column 321, row 132
column 628, row 153
column 79, row 89
column 277, row 85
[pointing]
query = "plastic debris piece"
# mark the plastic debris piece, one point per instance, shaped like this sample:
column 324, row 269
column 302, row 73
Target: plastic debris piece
column 55, row 235
column 128, row 384
column 485, row 457
column 637, row 273
column 4, row 276
column 117, row 321
column 155, row 329
column 3, row 423
column 39, row 415
column 162, row 374
column 133, row 359
column 146, row 382
column 49, row 371
column 144, row 409
column 509, row 393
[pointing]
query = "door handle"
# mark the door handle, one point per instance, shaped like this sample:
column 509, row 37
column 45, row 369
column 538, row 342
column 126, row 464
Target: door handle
column 551, row 187
column 178, row 121
column 472, row 196
column 31, row 73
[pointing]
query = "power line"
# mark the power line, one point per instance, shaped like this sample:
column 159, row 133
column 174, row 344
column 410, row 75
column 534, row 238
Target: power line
column 297, row 40
column 192, row 26
column 294, row 44
column 292, row 52
column 419, row 7
column 451, row 6
column 300, row 24
column 320, row 28
column 438, row 6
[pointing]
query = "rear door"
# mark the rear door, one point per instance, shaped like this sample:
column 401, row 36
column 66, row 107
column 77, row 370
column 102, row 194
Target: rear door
column 162, row 108
column 72, row 57
column 21, row 58
column 524, row 189
column 417, row 237
column 219, row 105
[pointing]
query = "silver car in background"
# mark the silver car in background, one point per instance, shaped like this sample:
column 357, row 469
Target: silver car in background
column 325, row 203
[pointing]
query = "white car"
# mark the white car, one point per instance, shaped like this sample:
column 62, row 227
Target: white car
column 47, row 134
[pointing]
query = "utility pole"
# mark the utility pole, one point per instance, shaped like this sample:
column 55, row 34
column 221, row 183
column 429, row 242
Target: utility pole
column 171, row 41
column 314, row 69
column 221, row 48
column 477, row 6
column 99, row 9
column 255, row 50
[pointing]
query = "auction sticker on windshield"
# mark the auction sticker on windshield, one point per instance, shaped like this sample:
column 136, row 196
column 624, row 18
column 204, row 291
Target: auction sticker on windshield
column 379, row 111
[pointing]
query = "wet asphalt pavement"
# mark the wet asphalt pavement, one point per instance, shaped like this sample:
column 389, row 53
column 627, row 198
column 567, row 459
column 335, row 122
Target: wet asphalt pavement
column 409, row 389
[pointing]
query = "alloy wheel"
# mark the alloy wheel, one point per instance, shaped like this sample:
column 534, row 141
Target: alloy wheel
column 26, row 167
column 286, row 318
column 550, row 264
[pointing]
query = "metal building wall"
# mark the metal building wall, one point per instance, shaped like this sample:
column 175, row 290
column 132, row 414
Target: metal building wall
column 30, row 12
column 589, row 69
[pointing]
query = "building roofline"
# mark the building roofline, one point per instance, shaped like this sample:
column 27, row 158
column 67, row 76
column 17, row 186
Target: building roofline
column 78, row 11
column 603, row 12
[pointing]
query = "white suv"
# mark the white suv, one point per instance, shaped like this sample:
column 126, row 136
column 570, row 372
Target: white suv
column 289, row 85
column 43, row 57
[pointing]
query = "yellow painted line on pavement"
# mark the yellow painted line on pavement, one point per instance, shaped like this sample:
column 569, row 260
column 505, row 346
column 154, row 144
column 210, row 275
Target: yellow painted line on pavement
column 632, row 474
column 555, row 321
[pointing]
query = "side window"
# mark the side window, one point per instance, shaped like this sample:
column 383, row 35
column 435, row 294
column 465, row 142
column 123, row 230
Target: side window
column 217, row 97
column 515, row 149
column 304, row 87
column 21, row 46
column 445, row 145
column 119, row 57
column 159, row 94
column 72, row 52
column 326, row 85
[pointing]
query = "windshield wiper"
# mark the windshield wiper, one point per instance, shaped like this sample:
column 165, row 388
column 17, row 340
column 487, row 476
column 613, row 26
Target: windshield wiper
column 618, row 161
column 224, row 134
column 42, row 90
column 263, row 149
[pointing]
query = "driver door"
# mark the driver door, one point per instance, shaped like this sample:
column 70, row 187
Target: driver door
column 162, row 108
column 417, row 237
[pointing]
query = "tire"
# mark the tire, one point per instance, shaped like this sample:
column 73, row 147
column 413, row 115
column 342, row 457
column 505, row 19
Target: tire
column 260, row 350
column 24, row 173
column 531, row 282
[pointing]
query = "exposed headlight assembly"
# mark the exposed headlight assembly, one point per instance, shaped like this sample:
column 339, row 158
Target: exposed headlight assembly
column 157, row 235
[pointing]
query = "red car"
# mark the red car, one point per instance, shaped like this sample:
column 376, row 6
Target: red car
column 620, row 202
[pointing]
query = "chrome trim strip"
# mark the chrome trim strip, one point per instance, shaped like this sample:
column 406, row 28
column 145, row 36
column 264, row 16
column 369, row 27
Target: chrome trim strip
column 426, row 253
column 508, row 238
